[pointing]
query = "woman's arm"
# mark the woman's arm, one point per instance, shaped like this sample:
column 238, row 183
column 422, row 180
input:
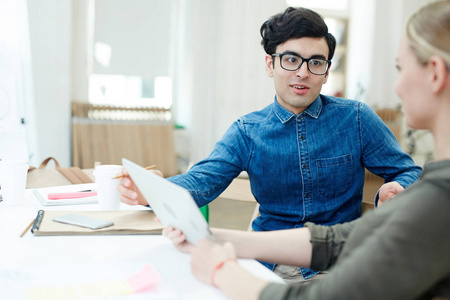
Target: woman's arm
column 216, row 264
column 290, row 247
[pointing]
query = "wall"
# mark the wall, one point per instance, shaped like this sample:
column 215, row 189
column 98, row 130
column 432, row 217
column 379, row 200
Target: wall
column 80, row 61
column 17, row 113
column 375, row 30
column 360, row 44
column 220, row 73
column 217, row 65
column 50, row 31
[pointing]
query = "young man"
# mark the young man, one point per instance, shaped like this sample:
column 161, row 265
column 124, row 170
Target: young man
column 305, row 153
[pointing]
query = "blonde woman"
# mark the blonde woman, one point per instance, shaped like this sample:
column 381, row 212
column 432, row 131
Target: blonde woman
column 401, row 250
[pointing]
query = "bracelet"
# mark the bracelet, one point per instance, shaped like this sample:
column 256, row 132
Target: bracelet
column 219, row 265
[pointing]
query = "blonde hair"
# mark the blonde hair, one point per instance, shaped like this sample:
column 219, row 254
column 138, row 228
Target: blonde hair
column 428, row 32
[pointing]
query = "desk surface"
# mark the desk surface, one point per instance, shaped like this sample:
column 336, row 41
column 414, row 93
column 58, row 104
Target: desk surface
column 53, row 263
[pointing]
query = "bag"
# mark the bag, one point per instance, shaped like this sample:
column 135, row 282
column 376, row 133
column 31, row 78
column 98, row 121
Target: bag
column 42, row 177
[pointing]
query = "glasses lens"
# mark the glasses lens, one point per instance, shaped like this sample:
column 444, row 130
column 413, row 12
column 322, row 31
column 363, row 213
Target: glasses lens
column 318, row 66
column 290, row 62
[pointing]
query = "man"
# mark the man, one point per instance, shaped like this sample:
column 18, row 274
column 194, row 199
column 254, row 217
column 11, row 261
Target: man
column 305, row 153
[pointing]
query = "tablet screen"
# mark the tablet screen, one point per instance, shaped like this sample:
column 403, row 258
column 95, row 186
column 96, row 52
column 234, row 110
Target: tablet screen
column 172, row 204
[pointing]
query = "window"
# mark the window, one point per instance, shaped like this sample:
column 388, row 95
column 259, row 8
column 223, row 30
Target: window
column 335, row 14
column 334, row 5
column 130, row 58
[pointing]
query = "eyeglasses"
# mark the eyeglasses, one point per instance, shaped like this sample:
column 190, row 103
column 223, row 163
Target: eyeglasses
column 293, row 62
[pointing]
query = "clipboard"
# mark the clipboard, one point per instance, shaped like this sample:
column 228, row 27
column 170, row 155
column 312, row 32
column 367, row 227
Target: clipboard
column 173, row 204
column 126, row 222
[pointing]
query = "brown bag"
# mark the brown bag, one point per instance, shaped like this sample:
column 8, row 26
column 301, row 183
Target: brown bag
column 42, row 177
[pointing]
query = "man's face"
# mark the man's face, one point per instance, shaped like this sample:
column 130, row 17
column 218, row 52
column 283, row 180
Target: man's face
column 296, row 90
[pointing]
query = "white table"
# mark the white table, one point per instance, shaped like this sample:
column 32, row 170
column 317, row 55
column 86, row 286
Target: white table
column 51, row 262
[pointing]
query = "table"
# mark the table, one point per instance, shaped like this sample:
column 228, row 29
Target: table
column 60, row 263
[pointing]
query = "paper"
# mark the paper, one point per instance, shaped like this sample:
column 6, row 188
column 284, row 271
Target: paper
column 52, row 293
column 41, row 194
column 144, row 280
column 147, row 281
column 106, row 289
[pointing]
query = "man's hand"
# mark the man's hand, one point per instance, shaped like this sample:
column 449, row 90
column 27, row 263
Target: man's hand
column 178, row 239
column 388, row 190
column 129, row 193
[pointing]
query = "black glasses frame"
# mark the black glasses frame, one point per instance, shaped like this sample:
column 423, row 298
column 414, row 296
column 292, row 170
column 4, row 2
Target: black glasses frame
column 280, row 55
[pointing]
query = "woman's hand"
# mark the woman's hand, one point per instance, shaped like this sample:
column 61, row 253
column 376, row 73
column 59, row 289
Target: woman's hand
column 178, row 239
column 207, row 256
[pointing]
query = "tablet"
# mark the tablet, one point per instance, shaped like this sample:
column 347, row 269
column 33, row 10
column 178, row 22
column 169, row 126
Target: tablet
column 172, row 204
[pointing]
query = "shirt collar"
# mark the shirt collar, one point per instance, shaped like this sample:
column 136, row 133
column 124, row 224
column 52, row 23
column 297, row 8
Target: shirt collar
column 284, row 115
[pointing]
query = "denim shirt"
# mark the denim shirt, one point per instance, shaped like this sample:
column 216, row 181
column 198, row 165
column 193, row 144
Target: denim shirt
column 303, row 168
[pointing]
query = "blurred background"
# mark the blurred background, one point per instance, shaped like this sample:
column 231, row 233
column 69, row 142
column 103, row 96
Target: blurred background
column 160, row 81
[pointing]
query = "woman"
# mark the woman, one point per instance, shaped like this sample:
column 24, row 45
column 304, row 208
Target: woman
column 401, row 250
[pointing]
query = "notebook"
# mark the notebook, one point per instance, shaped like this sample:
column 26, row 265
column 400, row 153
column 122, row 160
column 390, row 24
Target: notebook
column 173, row 205
column 41, row 194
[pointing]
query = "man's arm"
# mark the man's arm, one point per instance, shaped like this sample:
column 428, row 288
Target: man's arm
column 383, row 156
column 207, row 179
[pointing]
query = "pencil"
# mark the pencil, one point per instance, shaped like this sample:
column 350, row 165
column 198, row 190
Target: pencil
column 28, row 227
column 147, row 168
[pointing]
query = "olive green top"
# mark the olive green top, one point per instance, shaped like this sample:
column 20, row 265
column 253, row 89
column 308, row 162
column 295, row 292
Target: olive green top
column 400, row 250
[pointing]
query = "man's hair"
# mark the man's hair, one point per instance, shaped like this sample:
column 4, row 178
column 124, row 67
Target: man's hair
column 295, row 23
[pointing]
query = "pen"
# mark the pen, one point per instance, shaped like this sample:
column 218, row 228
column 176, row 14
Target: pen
column 28, row 227
column 147, row 168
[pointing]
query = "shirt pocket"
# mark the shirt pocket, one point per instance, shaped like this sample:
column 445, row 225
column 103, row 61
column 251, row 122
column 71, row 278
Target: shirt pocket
column 334, row 175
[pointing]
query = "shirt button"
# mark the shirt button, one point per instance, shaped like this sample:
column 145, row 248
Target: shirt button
column 307, row 195
column 302, row 137
column 305, row 166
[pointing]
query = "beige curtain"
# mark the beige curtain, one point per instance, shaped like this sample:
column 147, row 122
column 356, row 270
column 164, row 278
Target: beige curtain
column 98, row 136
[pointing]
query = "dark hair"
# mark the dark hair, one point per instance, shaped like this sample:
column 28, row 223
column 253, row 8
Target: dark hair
column 295, row 23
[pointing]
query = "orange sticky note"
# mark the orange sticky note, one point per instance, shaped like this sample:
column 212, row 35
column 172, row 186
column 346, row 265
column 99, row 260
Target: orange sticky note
column 144, row 280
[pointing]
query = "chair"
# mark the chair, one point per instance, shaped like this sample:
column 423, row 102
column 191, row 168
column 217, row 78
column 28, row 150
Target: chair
column 393, row 118
column 240, row 190
column 204, row 209
column 205, row 212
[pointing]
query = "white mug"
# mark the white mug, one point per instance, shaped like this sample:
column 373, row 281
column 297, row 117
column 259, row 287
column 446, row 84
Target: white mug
column 108, row 196
column 13, row 179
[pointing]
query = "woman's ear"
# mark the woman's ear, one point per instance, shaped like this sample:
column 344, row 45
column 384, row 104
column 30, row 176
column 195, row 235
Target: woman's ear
column 269, row 65
column 439, row 73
